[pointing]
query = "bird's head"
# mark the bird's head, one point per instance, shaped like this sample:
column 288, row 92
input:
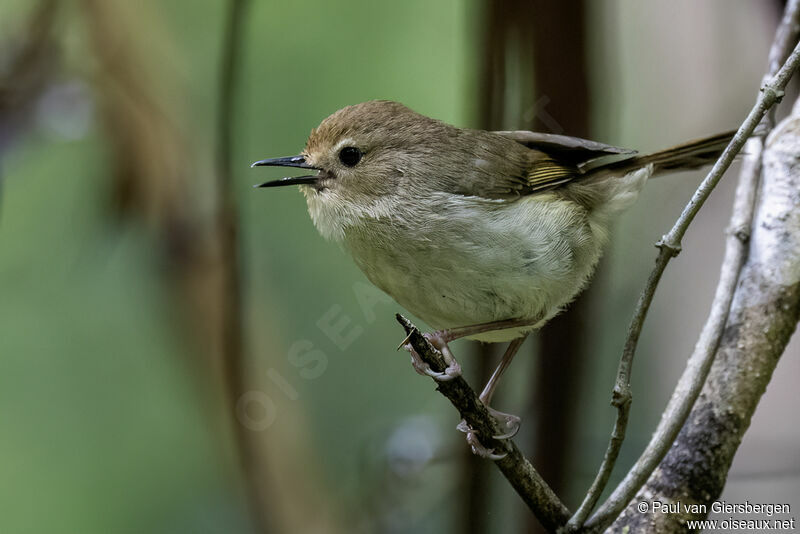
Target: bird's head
column 361, row 156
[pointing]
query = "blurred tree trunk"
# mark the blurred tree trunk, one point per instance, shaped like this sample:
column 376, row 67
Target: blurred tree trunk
column 199, row 249
column 475, row 471
column 562, row 92
column 501, row 68
column 534, row 76
column 260, row 493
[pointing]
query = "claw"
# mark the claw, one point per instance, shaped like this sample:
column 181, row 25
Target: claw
column 507, row 435
column 507, row 421
column 416, row 362
column 442, row 377
column 438, row 339
column 421, row 367
column 476, row 446
column 453, row 369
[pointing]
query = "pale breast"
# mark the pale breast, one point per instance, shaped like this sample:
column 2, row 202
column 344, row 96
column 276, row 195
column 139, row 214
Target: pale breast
column 456, row 261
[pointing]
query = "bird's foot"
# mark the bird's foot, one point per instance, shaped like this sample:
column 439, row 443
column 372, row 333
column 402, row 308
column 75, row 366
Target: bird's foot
column 508, row 423
column 453, row 368
column 475, row 445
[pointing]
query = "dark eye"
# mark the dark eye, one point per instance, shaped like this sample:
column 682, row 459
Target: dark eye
column 350, row 156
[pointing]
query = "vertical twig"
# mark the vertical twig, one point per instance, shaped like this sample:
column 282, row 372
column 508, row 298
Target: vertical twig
column 691, row 383
column 227, row 235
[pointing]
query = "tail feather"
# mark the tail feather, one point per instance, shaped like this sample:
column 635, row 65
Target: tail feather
column 691, row 155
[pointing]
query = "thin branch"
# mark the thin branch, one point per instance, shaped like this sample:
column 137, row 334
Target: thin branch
column 735, row 256
column 537, row 495
column 697, row 370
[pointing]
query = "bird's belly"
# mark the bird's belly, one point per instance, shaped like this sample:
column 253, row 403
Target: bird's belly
column 523, row 262
column 460, row 293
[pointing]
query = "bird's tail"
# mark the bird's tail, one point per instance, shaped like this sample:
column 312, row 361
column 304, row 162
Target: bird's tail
column 616, row 184
column 691, row 155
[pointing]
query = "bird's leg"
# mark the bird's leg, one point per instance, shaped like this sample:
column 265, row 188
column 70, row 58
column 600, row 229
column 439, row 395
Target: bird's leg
column 441, row 338
column 451, row 334
column 453, row 367
column 510, row 423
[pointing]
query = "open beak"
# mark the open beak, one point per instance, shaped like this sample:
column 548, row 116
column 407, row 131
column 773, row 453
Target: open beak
column 289, row 161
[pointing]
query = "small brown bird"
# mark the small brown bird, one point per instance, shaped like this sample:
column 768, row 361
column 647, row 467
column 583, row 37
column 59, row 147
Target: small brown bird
column 484, row 235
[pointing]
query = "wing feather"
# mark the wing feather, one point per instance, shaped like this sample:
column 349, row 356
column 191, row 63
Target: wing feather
column 558, row 159
column 532, row 162
column 546, row 173
column 573, row 148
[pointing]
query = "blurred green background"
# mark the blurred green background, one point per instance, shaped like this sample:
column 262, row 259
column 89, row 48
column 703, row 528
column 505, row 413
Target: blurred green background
column 113, row 411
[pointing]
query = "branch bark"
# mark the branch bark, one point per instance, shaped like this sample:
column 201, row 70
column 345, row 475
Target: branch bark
column 519, row 472
column 763, row 316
